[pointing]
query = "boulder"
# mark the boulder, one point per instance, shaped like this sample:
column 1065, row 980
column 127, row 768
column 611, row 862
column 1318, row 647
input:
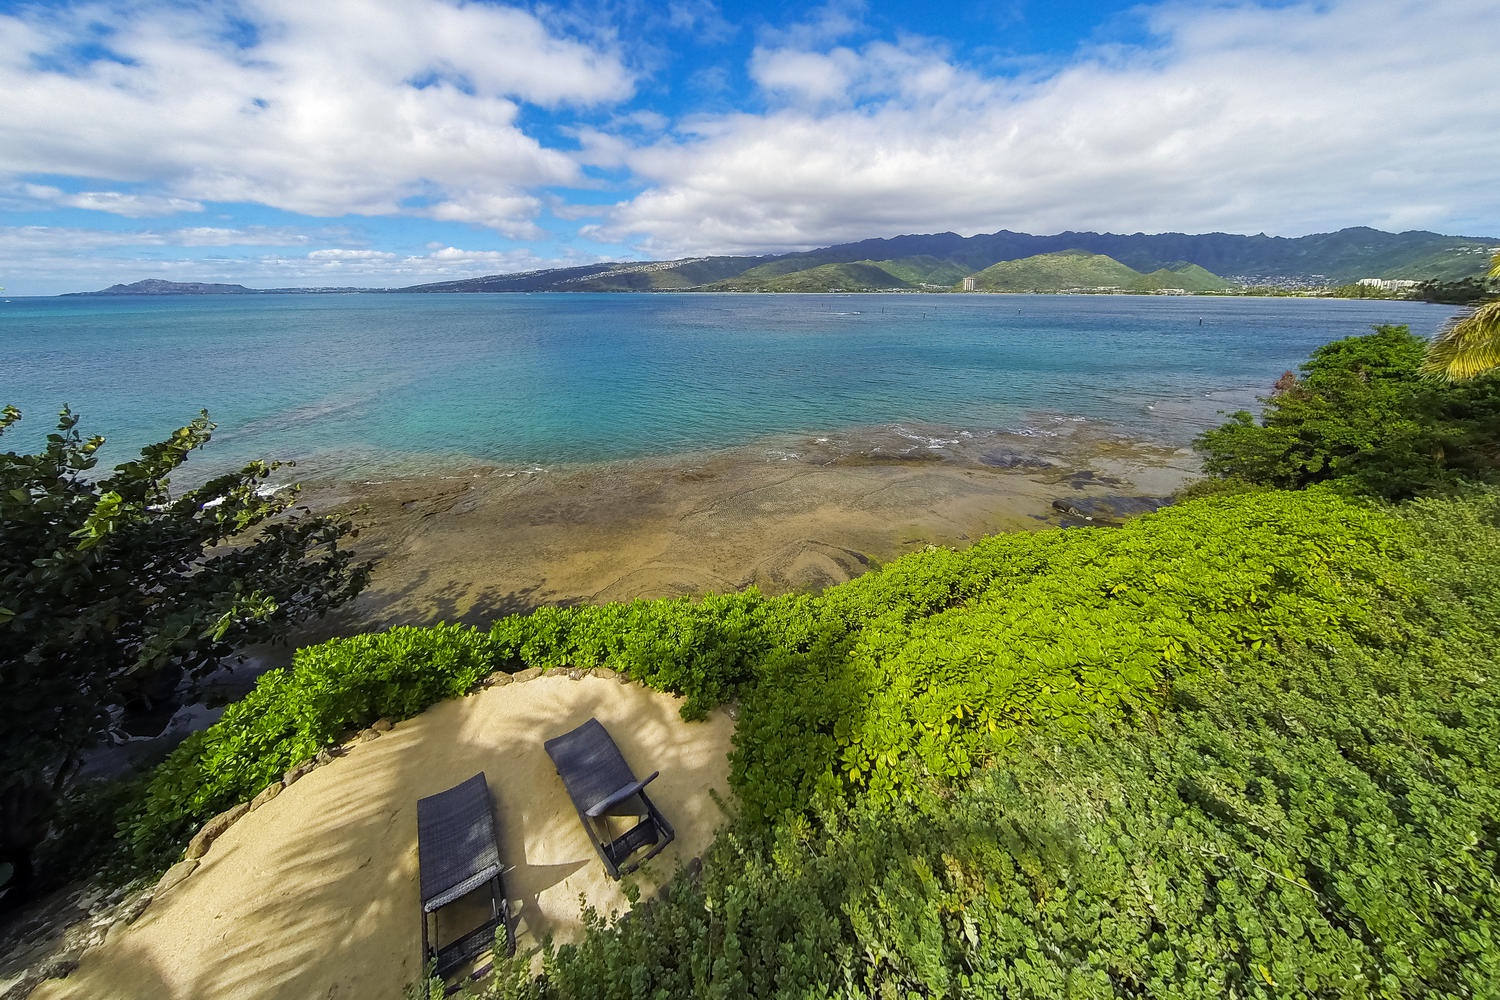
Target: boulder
column 175, row 875
column 293, row 773
column 210, row 831
column 266, row 795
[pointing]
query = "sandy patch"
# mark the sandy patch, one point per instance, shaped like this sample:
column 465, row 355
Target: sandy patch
column 314, row 894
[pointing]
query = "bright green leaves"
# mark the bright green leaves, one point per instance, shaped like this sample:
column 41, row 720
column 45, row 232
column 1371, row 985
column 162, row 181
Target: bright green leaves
column 100, row 522
column 1305, row 824
column 944, row 652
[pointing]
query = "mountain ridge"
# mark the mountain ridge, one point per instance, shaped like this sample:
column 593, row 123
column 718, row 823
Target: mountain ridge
column 939, row 262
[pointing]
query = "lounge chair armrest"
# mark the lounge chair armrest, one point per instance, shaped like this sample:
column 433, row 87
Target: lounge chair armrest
column 615, row 798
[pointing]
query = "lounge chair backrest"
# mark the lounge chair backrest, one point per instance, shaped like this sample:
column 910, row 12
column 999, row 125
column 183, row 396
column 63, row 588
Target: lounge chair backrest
column 600, row 782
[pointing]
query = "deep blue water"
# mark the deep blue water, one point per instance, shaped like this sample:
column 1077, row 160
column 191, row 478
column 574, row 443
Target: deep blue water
column 353, row 384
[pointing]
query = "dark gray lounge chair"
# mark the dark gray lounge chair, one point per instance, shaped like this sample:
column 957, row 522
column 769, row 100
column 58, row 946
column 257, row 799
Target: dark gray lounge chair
column 457, row 854
column 601, row 784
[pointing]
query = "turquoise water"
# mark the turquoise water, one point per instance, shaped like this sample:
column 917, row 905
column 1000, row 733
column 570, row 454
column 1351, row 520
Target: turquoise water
column 351, row 385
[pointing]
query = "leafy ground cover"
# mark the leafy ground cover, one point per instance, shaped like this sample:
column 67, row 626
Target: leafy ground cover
column 1318, row 820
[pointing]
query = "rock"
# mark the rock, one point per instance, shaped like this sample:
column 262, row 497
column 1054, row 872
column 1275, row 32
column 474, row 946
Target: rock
column 210, row 831
column 1070, row 508
column 366, row 735
column 529, row 674
column 1007, row 458
column 382, row 725
column 327, row 755
column 131, row 910
column 85, row 936
column 88, row 899
column 294, row 773
column 498, row 679
column 1110, row 510
column 606, row 673
column 177, row 873
column 266, row 795
column 576, row 674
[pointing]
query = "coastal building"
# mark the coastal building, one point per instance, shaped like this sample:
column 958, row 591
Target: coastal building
column 1389, row 284
column 969, row 283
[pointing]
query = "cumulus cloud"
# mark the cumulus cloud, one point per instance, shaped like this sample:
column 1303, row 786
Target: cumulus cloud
column 507, row 214
column 328, row 108
column 1239, row 118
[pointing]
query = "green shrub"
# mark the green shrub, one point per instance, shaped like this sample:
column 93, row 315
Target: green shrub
column 700, row 649
column 329, row 690
column 919, row 670
column 1304, row 822
column 1363, row 415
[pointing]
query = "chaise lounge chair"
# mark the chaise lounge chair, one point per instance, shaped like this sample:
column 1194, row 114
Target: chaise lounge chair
column 601, row 785
column 457, row 853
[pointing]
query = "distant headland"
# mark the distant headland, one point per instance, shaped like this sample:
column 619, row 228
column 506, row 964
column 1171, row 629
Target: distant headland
column 1166, row 263
column 159, row 286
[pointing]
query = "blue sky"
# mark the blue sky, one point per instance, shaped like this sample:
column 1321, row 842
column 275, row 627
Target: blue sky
column 391, row 142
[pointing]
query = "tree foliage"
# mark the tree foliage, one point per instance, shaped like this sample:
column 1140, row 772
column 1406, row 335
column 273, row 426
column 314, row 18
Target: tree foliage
column 1363, row 413
column 109, row 581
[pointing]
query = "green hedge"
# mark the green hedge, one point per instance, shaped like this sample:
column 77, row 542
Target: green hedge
column 700, row 649
column 1304, row 822
column 291, row 714
column 922, row 669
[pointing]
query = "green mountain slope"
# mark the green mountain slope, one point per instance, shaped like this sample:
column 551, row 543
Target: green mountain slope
column 926, row 270
column 1323, row 258
column 1056, row 272
column 860, row 276
column 1188, row 277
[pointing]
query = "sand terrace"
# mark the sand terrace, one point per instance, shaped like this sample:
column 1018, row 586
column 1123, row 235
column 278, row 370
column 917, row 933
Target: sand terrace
column 314, row 894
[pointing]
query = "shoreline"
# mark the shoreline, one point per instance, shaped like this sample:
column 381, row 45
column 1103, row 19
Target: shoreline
column 475, row 543
column 795, row 512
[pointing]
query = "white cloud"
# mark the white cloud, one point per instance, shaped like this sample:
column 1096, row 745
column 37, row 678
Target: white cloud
column 359, row 256
column 22, row 239
column 813, row 77
column 1245, row 119
column 328, row 108
column 508, row 214
column 827, row 23
column 132, row 206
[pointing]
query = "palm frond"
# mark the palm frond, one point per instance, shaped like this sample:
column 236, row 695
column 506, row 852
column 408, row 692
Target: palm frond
column 1468, row 346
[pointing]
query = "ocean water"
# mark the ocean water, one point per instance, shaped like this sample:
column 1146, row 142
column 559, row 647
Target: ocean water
column 351, row 386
